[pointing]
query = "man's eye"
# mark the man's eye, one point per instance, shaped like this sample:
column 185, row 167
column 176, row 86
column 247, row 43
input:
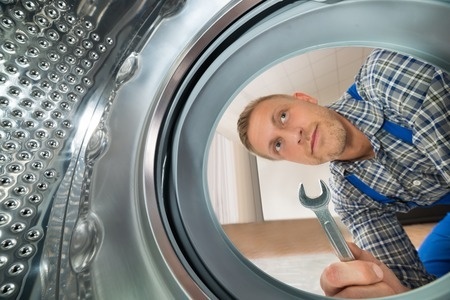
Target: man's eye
column 278, row 146
column 283, row 117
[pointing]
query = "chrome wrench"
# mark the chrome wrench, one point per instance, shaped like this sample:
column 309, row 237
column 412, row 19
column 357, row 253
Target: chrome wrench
column 319, row 206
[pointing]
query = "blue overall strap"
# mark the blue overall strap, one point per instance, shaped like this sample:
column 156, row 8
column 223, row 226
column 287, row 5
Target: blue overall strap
column 443, row 200
column 354, row 92
column 374, row 195
column 396, row 130
column 367, row 190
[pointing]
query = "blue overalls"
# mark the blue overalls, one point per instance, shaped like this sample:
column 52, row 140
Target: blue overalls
column 435, row 249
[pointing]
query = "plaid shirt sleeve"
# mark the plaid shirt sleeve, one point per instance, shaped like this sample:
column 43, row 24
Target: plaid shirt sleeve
column 432, row 124
column 415, row 95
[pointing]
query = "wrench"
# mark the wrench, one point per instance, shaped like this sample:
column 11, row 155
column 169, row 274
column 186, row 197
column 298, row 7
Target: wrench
column 319, row 206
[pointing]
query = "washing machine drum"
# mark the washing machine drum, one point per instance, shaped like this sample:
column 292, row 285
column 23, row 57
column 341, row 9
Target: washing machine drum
column 107, row 112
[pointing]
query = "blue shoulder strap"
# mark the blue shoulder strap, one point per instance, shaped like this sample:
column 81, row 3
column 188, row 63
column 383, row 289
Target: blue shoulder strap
column 374, row 195
column 396, row 130
column 367, row 190
column 354, row 92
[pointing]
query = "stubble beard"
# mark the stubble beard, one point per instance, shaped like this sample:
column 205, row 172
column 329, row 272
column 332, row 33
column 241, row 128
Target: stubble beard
column 337, row 135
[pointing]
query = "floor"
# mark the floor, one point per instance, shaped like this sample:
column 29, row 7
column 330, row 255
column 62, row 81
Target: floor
column 295, row 251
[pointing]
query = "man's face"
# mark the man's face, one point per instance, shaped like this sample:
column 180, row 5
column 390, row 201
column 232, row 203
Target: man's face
column 296, row 129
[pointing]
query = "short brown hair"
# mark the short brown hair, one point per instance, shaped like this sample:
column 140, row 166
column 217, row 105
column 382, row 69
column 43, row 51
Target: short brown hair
column 244, row 119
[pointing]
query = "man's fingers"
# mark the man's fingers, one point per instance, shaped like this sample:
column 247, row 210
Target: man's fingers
column 379, row 289
column 361, row 254
column 388, row 275
column 362, row 278
column 342, row 274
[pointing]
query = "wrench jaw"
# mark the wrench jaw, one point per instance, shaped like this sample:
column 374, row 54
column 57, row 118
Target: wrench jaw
column 320, row 207
column 314, row 203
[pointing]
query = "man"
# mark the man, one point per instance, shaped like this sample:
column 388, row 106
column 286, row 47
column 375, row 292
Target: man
column 388, row 143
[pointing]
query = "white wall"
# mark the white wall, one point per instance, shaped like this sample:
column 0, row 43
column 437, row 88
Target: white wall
column 234, row 193
column 279, row 183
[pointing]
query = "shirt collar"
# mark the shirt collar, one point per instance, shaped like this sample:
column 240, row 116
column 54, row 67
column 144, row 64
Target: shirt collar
column 366, row 116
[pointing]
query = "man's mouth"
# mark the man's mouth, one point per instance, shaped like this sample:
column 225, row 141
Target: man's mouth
column 313, row 139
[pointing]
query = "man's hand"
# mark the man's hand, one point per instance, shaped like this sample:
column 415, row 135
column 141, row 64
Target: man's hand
column 365, row 277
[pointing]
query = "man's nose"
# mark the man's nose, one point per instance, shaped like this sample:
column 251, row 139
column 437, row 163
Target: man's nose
column 294, row 135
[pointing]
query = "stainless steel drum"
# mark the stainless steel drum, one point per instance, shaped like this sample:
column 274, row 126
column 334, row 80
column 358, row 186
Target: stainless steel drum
column 60, row 65
column 107, row 111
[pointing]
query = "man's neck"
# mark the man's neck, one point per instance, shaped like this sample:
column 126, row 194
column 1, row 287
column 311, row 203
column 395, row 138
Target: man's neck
column 358, row 146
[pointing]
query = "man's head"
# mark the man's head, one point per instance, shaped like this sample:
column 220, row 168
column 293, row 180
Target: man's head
column 294, row 128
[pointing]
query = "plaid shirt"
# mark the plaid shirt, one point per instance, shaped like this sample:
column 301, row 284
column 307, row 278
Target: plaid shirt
column 415, row 95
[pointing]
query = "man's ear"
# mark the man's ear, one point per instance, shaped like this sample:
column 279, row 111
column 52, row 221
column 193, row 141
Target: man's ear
column 305, row 97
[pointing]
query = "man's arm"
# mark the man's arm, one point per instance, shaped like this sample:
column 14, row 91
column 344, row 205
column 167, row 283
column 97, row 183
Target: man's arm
column 417, row 95
column 432, row 124
column 414, row 95
column 376, row 229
